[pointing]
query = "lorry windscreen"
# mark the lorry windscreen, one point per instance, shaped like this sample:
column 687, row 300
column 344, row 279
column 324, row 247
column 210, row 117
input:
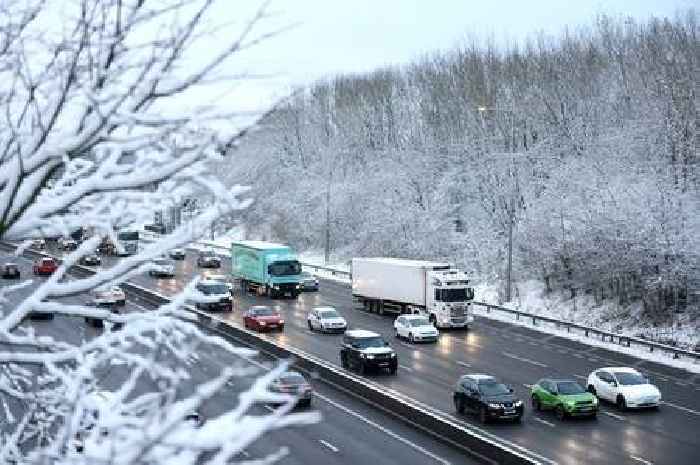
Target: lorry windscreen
column 128, row 236
column 285, row 268
column 454, row 295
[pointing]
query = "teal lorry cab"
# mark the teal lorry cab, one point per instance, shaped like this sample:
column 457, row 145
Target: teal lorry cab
column 266, row 268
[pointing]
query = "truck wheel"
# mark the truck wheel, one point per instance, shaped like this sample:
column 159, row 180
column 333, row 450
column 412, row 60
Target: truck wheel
column 311, row 328
column 380, row 308
column 433, row 320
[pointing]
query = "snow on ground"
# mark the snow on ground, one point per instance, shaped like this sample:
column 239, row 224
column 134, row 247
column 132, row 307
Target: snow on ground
column 531, row 297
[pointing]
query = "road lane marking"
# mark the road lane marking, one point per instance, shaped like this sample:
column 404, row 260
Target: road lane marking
column 407, row 368
column 639, row 459
column 528, row 386
column 544, row 422
column 328, row 445
column 680, row 407
column 384, row 430
column 464, row 364
column 613, row 415
column 523, row 359
column 580, row 377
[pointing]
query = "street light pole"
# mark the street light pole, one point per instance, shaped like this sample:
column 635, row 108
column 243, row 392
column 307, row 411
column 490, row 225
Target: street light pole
column 511, row 206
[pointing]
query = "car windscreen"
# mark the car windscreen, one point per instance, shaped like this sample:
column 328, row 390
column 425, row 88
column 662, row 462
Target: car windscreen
column 492, row 388
column 569, row 388
column 213, row 289
column 292, row 378
column 629, row 379
column 454, row 295
column 128, row 236
column 263, row 311
column 284, row 268
column 418, row 322
column 366, row 342
column 328, row 314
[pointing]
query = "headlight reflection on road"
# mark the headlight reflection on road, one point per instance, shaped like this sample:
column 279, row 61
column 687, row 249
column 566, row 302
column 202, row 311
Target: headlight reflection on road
column 445, row 344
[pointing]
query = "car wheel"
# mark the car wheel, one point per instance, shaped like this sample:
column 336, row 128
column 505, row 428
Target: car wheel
column 311, row 327
column 392, row 370
column 536, row 405
column 396, row 334
column 343, row 362
column 459, row 405
column 561, row 414
column 594, row 416
column 410, row 338
column 483, row 417
column 591, row 389
column 621, row 403
column 362, row 369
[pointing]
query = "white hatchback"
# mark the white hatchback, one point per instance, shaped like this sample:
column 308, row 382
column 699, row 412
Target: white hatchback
column 415, row 328
column 624, row 386
column 326, row 319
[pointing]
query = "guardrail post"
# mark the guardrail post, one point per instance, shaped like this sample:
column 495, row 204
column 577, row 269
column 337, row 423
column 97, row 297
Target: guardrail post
column 586, row 333
column 568, row 328
column 517, row 316
column 534, row 321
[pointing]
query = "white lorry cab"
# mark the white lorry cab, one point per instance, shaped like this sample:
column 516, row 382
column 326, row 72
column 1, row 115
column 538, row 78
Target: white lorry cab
column 393, row 285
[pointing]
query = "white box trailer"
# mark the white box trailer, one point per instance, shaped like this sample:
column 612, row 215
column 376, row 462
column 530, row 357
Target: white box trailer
column 396, row 285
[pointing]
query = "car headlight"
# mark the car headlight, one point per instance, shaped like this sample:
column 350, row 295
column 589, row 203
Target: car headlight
column 370, row 356
column 494, row 405
column 262, row 323
column 276, row 286
column 595, row 400
column 393, row 355
column 281, row 322
column 518, row 403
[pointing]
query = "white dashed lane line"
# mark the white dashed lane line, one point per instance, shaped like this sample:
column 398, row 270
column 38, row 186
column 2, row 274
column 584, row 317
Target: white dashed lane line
column 680, row 407
column 641, row 460
column 544, row 422
column 328, row 445
column 407, row 368
column 523, row 359
column 384, row 430
column 613, row 415
column 464, row 364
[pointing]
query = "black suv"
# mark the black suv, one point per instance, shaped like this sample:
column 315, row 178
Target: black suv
column 208, row 259
column 364, row 350
column 485, row 396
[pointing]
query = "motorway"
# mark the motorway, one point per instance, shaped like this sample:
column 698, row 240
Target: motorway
column 349, row 433
column 518, row 356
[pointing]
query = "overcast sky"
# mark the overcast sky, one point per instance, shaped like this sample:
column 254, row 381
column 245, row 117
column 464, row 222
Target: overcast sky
column 334, row 36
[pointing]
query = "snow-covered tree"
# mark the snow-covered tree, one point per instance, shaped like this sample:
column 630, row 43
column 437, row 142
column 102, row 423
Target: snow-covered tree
column 107, row 117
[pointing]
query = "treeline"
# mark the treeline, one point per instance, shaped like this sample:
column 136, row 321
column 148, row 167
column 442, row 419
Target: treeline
column 587, row 141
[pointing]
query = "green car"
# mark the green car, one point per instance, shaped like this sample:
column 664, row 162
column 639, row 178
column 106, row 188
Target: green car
column 566, row 397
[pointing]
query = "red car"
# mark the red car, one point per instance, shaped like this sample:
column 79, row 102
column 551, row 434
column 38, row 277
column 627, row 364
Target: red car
column 261, row 318
column 45, row 266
